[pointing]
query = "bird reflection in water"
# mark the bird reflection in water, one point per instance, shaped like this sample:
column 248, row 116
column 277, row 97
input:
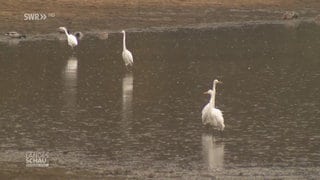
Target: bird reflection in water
column 213, row 152
column 14, row 38
column 13, row 42
column 127, row 88
column 70, row 75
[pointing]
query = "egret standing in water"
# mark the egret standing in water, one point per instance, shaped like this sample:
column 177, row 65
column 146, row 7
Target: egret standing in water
column 126, row 54
column 210, row 114
column 72, row 40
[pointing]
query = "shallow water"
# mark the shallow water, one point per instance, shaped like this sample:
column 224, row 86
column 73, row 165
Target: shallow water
column 86, row 111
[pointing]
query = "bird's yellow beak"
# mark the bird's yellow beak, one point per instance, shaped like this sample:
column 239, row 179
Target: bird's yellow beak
column 206, row 92
column 220, row 82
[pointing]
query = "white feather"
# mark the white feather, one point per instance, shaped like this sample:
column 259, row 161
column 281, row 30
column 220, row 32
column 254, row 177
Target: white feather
column 211, row 115
column 126, row 54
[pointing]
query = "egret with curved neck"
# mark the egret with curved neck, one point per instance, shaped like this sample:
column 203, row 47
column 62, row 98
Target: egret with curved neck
column 126, row 54
column 72, row 40
column 210, row 114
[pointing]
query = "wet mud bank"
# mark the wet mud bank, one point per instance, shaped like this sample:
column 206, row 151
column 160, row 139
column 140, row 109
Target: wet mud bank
column 141, row 14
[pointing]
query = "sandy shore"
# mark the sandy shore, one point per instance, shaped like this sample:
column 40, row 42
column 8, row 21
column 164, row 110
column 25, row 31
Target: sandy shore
column 121, row 14
column 19, row 171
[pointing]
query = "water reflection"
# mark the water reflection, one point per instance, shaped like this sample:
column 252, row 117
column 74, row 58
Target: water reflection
column 70, row 82
column 13, row 42
column 127, row 87
column 213, row 151
column 292, row 24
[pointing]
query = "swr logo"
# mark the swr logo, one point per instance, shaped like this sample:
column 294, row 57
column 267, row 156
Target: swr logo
column 34, row 16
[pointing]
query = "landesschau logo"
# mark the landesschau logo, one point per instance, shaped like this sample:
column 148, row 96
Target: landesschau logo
column 37, row 159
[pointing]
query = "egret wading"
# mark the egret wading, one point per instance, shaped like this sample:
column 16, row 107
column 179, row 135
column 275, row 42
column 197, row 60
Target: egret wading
column 126, row 54
column 72, row 40
column 210, row 114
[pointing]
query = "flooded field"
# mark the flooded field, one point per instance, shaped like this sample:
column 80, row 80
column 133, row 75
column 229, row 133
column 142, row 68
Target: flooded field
column 89, row 113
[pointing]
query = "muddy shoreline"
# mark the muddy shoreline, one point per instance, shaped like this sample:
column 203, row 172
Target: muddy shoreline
column 100, row 33
column 21, row 172
column 113, row 16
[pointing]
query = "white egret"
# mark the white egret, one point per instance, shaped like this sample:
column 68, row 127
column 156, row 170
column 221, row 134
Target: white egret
column 126, row 54
column 14, row 34
column 72, row 40
column 210, row 114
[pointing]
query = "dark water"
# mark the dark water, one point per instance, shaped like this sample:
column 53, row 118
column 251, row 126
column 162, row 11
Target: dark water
column 87, row 112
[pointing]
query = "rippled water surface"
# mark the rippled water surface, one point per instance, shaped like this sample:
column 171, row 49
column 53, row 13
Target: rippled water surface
column 88, row 112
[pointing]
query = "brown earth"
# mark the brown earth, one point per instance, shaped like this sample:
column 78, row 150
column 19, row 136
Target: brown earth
column 90, row 15
column 19, row 171
column 87, row 15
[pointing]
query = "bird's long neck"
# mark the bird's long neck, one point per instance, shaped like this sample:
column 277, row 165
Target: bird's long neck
column 124, row 41
column 65, row 31
column 213, row 96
